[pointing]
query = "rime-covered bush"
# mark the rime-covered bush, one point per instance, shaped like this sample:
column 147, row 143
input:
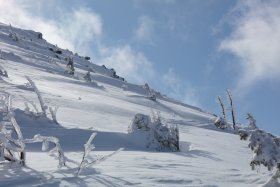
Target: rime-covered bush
column 252, row 122
column 220, row 123
column 70, row 65
column 150, row 92
column 160, row 136
column 88, row 148
column 166, row 136
column 9, row 145
column 3, row 73
column 44, row 107
column 1, row 54
column 14, row 37
column 13, row 148
column 12, row 34
column 266, row 148
column 56, row 151
column 140, row 122
column 87, row 77
column 124, row 87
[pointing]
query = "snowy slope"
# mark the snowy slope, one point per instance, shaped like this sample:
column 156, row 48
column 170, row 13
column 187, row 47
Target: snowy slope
column 209, row 157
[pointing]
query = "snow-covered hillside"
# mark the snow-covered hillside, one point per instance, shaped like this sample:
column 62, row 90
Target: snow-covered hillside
column 107, row 105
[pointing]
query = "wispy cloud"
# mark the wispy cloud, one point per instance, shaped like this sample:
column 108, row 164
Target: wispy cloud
column 177, row 88
column 131, row 64
column 74, row 30
column 255, row 41
column 145, row 30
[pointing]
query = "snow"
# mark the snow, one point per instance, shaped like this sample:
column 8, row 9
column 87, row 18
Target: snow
column 208, row 157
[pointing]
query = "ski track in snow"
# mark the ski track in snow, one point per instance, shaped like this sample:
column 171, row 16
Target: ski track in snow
column 209, row 157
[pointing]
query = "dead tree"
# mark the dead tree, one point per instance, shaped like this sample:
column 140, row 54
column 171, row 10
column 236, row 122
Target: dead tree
column 44, row 107
column 232, row 109
column 222, row 106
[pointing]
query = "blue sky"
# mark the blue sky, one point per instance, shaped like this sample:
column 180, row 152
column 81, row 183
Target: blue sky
column 191, row 50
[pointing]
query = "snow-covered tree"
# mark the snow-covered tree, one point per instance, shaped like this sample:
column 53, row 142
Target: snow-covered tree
column 266, row 150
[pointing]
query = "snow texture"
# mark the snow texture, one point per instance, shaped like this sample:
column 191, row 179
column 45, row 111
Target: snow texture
column 208, row 156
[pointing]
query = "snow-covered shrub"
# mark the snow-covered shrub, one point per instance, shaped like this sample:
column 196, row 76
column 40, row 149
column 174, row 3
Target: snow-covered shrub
column 160, row 135
column 44, row 107
column 150, row 92
column 39, row 35
column 220, row 123
column 252, row 122
column 56, row 151
column 140, row 122
column 88, row 147
column 70, row 65
column 12, row 34
column 87, row 77
column 53, row 113
column 10, row 146
column 124, row 87
column 266, row 150
column 32, row 112
column 3, row 73
column 166, row 136
column 7, row 143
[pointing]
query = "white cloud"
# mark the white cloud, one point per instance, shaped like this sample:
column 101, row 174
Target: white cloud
column 74, row 30
column 179, row 89
column 130, row 64
column 255, row 41
column 145, row 30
